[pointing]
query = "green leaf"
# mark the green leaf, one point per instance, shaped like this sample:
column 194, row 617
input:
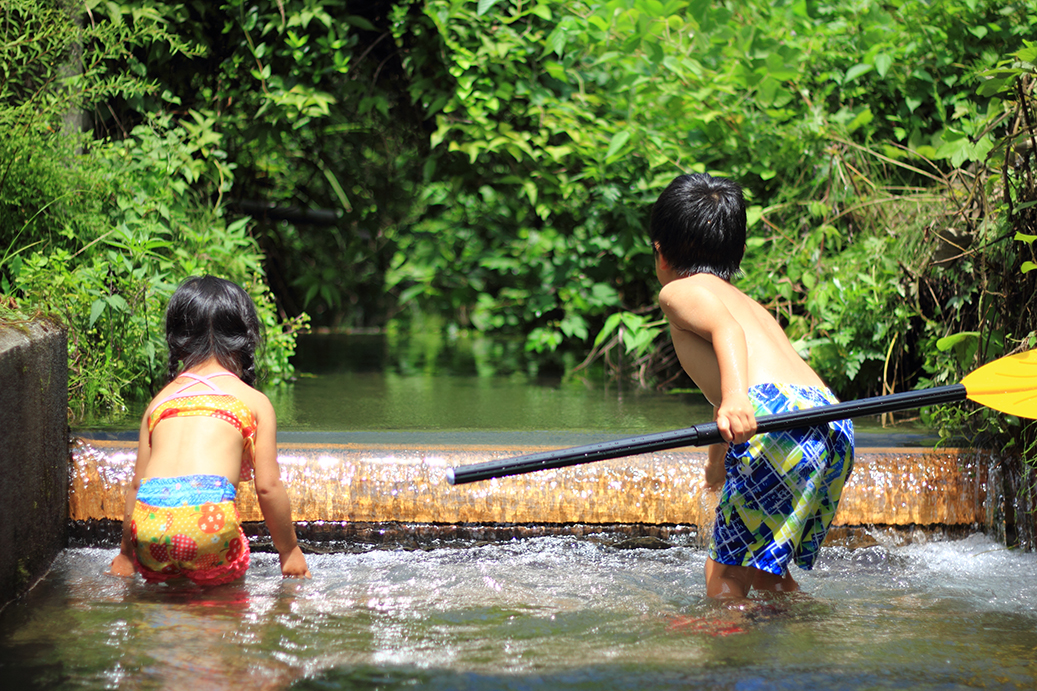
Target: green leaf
column 542, row 11
column 117, row 303
column 484, row 6
column 611, row 324
column 556, row 41
column 363, row 23
column 618, row 141
column 856, row 71
column 1028, row 54
column 96, row 309
column 948, row 342
column 882, row 63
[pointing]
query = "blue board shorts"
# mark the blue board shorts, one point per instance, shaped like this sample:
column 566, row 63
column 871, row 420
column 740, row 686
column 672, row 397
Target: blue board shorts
column 782, row 488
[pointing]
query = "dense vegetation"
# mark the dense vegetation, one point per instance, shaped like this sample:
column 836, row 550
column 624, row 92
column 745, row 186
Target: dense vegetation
column 488, row 166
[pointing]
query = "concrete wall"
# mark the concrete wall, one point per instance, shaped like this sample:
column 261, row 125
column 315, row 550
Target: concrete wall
column 34, row 452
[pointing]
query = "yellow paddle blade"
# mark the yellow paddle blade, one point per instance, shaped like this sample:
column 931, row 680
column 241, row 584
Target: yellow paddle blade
column 1008, row 384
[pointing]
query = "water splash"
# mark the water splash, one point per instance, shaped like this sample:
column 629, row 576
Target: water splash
column 540, row 613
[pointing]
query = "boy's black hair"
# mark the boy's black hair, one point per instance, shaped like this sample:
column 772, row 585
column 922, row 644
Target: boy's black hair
column 212, row 317
column 698, row 224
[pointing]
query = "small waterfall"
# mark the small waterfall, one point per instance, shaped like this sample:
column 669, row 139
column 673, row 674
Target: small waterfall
column 352, row 491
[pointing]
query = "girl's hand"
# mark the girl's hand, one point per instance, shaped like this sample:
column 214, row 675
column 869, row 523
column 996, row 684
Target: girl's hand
column 122, row 566
column 293, row 565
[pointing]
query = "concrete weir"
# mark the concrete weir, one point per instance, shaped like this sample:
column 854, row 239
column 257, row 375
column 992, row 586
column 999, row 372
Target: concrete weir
column 346, row 491
column 34, row 452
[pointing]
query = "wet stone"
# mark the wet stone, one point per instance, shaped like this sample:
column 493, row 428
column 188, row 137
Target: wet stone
column 646, row 542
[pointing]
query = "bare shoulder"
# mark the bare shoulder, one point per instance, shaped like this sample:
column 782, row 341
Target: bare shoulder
column 702, row 301
column 691, row 292
column 256, row 400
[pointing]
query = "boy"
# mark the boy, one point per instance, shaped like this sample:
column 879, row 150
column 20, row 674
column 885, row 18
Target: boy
column 780, row 490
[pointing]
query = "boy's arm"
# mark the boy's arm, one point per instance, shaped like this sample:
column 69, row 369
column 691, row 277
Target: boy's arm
column 273, row 498
column 694, row 308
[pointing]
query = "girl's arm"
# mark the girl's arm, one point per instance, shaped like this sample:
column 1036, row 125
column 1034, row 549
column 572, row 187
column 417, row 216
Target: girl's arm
column 122, row 564
column 272, row 496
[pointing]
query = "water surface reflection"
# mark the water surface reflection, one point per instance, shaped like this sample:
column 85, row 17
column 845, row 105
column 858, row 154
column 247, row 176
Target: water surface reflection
column 543, row 613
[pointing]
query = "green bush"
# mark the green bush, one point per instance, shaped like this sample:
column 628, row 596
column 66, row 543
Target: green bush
column 98, row 233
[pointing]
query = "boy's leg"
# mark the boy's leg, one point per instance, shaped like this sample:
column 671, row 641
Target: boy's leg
column 776, row 584
column 726, row 582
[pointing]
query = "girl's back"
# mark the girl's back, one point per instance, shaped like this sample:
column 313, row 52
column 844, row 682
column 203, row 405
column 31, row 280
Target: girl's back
column 206, row 425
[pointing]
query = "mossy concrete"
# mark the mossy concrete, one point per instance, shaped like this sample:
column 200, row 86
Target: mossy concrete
column 34, row 452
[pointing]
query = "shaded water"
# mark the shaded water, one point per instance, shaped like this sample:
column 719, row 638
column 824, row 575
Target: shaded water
column 353, row 383
column 356, row 383
column 559, row 613
column 359, row 388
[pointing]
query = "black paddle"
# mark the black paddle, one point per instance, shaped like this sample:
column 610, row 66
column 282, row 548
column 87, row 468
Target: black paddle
column 1008, row 384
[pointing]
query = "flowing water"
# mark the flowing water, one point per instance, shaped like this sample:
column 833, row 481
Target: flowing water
column 560, row 611
column 545, row 613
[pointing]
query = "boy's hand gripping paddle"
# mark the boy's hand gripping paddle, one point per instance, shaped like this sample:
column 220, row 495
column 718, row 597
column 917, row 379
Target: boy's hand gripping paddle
column 1008, row 385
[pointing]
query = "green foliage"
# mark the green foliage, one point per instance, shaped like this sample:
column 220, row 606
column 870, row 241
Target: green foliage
column 112, row 291
column 493, row 163
column 305, row 97
column 54, row 63
column 849, row 125
column 98, row 233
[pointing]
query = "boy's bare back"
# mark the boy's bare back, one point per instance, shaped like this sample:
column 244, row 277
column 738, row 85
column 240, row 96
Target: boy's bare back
column 703, row 311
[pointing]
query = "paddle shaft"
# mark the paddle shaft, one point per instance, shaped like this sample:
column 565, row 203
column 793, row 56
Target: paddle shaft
column 703, row 435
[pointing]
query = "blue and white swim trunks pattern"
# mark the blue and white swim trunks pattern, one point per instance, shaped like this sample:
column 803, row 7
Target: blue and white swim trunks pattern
column 782, row 488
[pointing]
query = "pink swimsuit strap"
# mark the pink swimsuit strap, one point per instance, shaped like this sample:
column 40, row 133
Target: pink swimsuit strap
column 213, row 389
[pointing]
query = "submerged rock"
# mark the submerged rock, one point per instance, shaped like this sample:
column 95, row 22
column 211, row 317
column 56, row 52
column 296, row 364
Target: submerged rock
column 644, row 542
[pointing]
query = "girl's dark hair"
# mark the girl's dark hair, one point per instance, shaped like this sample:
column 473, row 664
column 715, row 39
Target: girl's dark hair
column 212, row 317
column 698, row 224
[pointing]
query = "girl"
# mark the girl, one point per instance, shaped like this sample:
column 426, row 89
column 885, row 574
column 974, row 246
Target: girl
column 203, row 433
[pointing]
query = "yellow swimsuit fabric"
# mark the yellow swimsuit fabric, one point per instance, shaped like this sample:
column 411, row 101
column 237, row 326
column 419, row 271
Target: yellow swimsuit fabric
column 189, row 526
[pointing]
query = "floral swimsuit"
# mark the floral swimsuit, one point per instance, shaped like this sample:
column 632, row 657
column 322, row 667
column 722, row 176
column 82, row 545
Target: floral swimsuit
column 189, row 525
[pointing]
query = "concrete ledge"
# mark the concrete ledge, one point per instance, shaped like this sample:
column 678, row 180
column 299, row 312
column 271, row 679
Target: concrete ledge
column 34, row 452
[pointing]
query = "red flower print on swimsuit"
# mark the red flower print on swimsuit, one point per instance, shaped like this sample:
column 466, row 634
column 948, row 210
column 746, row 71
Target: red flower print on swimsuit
column 212, row 520
column 184, row 547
